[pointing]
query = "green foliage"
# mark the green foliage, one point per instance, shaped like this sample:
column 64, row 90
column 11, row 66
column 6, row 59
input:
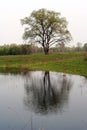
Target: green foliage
column 14, row 49
column 46, row 27
column 85, row 47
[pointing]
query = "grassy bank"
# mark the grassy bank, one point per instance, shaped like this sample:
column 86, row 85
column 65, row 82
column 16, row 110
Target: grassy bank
column 73, row 63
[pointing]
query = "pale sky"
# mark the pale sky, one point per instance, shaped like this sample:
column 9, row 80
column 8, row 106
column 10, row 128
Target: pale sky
column 11, row 11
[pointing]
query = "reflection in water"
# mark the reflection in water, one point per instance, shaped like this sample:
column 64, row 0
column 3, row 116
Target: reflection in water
column 46, row 91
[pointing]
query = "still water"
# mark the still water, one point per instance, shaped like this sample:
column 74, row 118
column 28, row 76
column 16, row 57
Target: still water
column 42, row 100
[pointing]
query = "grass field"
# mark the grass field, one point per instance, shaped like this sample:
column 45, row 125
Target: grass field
column 73, row 63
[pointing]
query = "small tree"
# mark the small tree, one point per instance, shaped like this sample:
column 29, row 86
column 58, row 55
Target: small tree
column 85, row 47
column 78, row 48
column 46, row 27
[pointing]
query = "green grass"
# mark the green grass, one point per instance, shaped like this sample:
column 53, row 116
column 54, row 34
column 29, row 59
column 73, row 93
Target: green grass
column 73, row 63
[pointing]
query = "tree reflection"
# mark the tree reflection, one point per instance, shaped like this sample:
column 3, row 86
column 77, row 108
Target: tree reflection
column 46, row 91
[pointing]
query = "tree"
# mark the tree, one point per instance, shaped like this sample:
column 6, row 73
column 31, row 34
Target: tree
column 85, row 47
column 46, row 27
column 61, row 46
column 78, row 48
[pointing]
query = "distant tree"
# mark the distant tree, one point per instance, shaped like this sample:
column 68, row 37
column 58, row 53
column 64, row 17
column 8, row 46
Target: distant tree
column 78, row 47
column 61, row 46
column 25, row 49
column 14, row 49
column 46, row 27
column 85, row 47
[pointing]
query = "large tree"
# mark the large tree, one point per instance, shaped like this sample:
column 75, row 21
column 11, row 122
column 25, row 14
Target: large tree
column 46, row 27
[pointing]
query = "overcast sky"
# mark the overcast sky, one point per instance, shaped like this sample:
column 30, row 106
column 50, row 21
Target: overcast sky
column 11, row 11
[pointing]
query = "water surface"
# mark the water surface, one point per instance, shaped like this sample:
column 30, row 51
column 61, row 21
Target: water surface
column 39, row 99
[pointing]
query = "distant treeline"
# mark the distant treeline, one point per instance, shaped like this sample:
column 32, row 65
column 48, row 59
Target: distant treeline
column 14, row 49
column 24, row 49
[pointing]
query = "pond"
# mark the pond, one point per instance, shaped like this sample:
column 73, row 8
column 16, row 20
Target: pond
column 42, row 100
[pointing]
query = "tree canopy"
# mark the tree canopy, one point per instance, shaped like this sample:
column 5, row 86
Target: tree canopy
column 46, row 27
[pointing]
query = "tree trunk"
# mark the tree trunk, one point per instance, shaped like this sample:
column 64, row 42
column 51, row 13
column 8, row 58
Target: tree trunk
column 46, row 50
